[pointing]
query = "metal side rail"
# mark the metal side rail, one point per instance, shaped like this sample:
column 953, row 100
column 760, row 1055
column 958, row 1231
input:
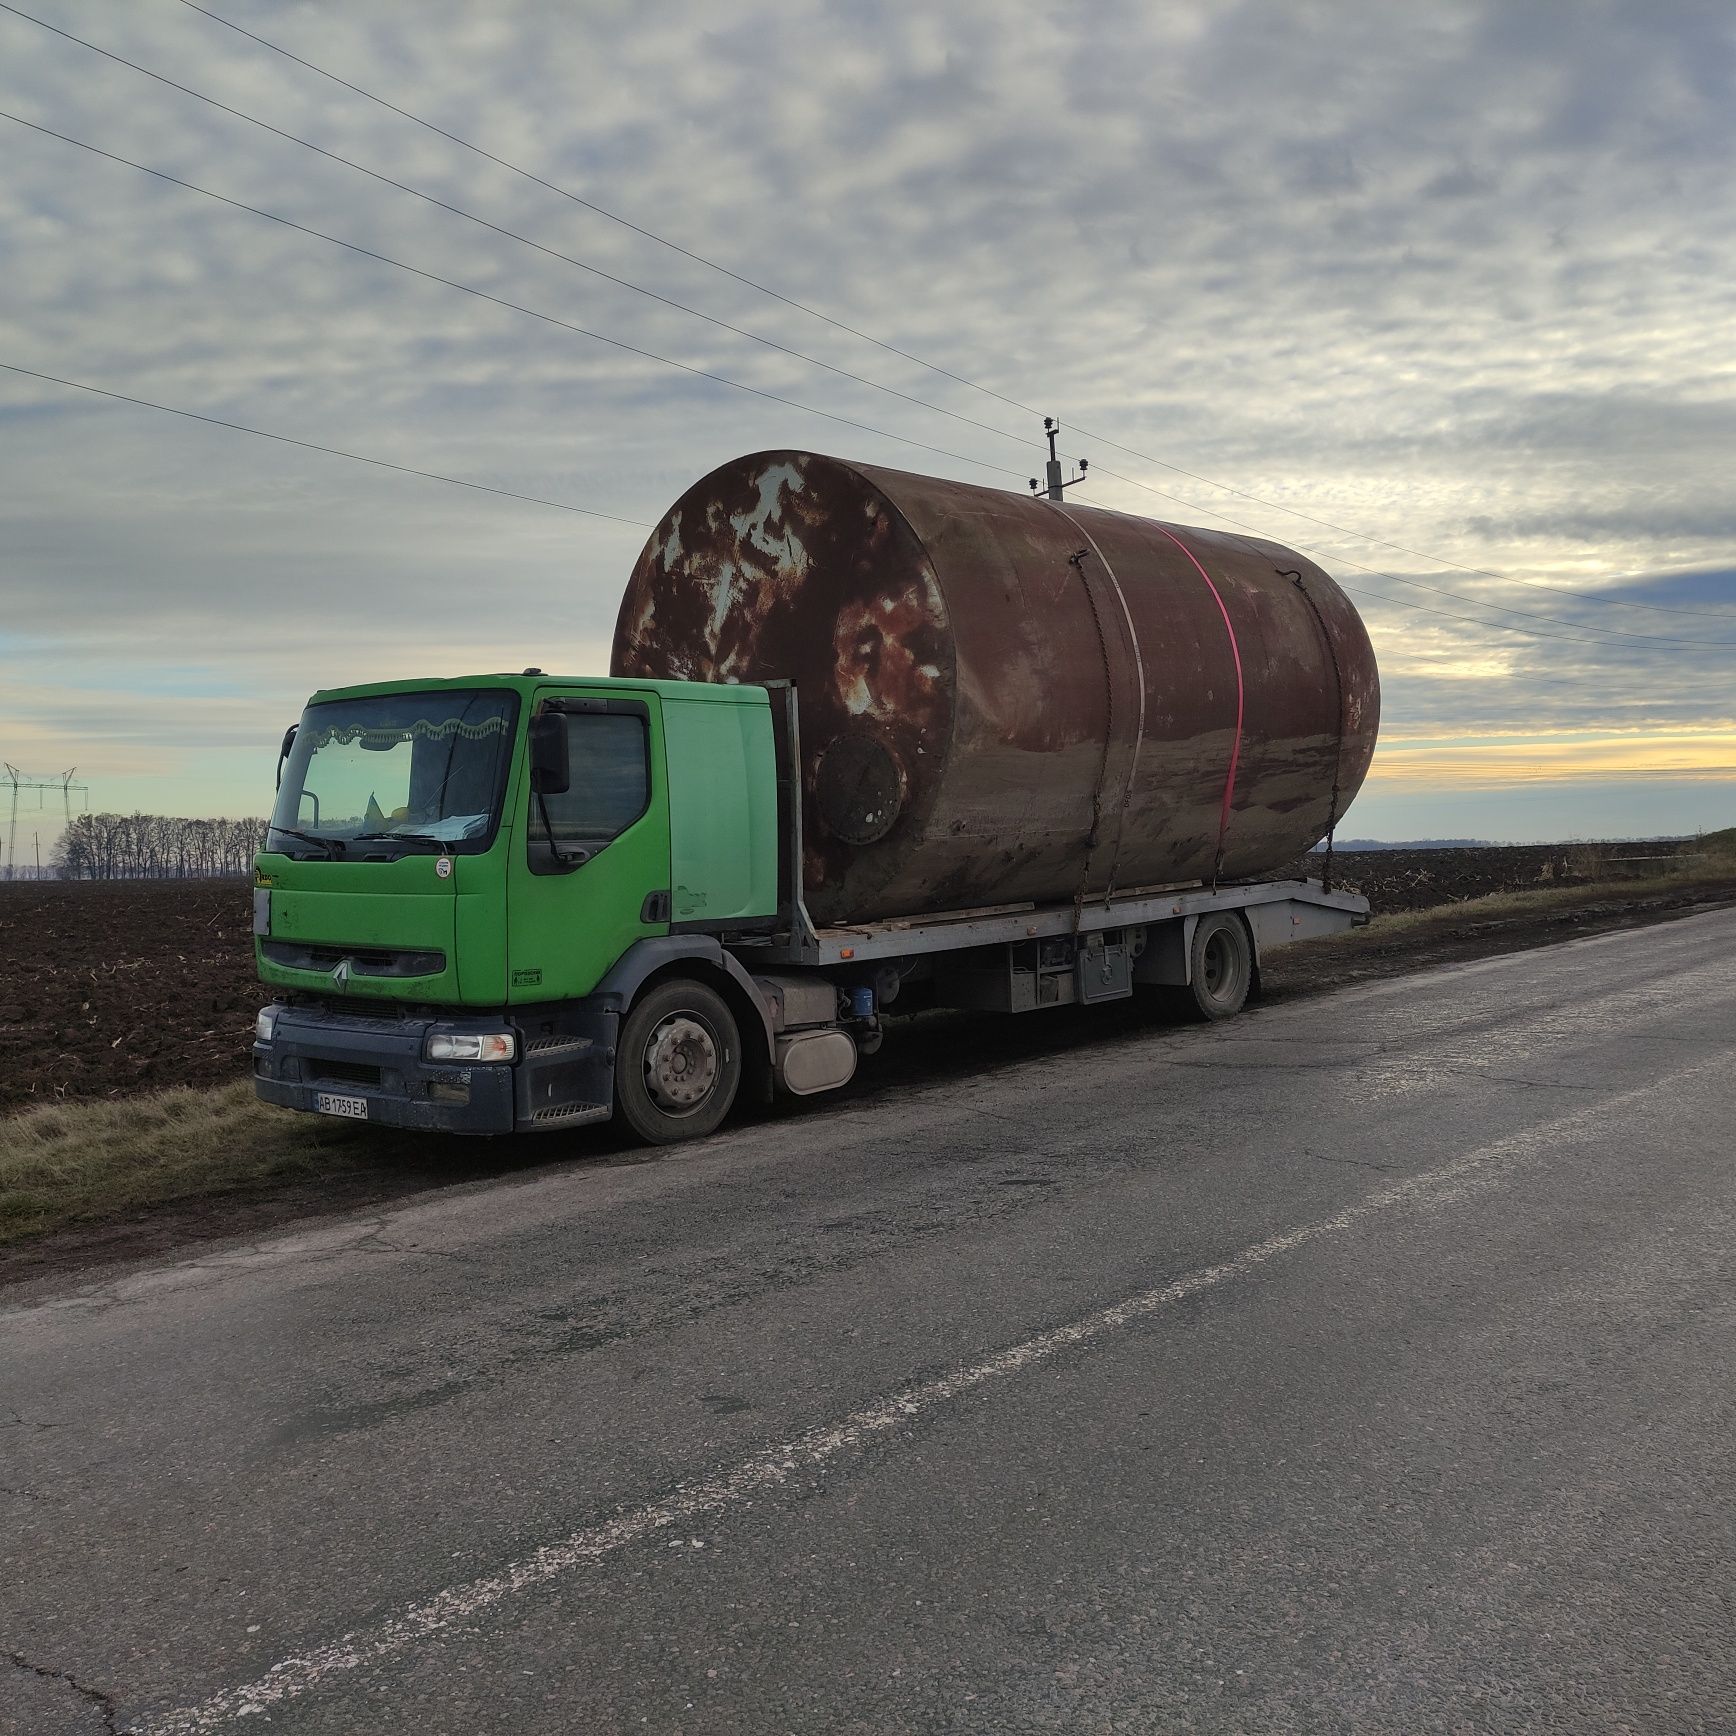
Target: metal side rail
column 1277, row 911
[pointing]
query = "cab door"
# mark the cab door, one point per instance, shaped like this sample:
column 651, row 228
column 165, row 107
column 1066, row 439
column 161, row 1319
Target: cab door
column 589, row 873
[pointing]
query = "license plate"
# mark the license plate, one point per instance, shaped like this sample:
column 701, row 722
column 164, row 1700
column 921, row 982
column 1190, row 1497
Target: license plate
column 329, row 1103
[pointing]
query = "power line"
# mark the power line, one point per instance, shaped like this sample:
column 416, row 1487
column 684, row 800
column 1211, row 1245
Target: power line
column 1502, row 626
column 603, row 211
column 567, row 506
column 583, row 331
column 315, row 446
column 501, row 301
column 513, row 234
column 893, row 349
column 1577, row 631
column 1399, row 548
column 367, row 252
column 1607, row 635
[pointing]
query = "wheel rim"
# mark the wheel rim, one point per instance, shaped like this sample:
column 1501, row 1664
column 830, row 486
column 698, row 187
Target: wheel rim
column 1220, row 967
column 681, row 1064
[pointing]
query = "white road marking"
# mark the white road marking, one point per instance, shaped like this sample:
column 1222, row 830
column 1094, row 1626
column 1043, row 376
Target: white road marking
column 774, row 1466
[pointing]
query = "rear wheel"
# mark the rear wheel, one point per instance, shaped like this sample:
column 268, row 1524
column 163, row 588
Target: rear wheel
column 1221, row 966
column 678, row 1062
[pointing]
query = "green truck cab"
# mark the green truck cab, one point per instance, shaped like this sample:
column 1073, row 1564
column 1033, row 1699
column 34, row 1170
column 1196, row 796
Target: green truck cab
column 467, row 883
column 527, row 903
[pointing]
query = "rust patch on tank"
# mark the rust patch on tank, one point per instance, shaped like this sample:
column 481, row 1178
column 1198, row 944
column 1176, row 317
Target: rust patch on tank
column 721, row 593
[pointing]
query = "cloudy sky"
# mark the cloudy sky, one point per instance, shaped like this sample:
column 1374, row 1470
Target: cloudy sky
column 1457, row 277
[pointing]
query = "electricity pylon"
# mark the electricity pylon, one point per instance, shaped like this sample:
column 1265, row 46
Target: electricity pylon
column 62, row 781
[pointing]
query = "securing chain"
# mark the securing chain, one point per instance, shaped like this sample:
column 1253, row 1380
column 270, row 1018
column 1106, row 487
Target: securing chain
column 1338, row 687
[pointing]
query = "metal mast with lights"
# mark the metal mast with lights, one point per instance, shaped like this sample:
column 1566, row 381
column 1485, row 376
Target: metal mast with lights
column 1053, row 429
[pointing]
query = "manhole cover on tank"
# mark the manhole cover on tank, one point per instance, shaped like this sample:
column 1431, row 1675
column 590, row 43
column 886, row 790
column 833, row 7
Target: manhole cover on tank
column 858, row 788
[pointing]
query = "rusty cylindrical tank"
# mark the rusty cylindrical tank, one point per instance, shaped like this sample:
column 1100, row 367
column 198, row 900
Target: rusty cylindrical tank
column 1005, row 698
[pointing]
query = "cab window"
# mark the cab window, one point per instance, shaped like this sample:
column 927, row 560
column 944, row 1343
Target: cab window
column 608, row 787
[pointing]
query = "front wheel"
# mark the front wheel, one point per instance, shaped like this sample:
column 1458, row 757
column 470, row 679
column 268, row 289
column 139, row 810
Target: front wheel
column 678, row 1062
column 1221, row 966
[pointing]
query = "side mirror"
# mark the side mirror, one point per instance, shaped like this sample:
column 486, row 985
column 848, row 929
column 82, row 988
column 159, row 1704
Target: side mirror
column 283, row 752
column 550, row 773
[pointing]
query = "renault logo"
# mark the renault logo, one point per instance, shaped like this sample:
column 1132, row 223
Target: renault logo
column 341, row 975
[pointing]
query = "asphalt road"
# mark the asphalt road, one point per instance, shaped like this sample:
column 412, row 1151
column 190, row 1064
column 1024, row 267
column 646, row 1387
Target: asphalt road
column 1366, row 1364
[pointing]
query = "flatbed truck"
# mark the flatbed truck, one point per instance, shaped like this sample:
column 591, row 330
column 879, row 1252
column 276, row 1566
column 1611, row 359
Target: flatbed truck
column 523, row 903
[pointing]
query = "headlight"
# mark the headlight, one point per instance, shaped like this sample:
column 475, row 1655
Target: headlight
column 265, row 1024
column 470, row 1046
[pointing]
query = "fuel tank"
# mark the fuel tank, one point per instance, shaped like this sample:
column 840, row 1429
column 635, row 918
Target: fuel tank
column 1004, row 698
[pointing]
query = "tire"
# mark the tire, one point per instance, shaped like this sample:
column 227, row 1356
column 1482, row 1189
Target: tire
column 1220, row 967
column 677, row 1063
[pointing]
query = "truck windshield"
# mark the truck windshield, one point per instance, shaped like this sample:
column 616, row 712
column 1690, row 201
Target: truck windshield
column 395, row 773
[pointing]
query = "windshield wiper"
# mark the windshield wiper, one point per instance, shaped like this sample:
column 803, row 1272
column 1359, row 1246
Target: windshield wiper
column 416, row 837
column 334, row 847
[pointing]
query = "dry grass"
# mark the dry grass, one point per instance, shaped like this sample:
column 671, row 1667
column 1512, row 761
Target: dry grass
column 76, row 1162
column 1711, row 852
column 1587, row 861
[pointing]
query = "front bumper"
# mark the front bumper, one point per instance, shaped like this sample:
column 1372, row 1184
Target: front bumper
column 562, row 1078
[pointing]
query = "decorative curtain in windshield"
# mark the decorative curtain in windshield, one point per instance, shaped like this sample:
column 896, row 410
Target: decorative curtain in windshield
column 409, row 770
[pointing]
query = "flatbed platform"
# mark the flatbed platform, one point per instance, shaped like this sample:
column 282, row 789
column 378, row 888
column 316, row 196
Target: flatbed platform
column 1287, row 909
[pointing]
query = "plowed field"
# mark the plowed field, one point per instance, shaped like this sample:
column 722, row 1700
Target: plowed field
column 1394, row 880
column 119, row 986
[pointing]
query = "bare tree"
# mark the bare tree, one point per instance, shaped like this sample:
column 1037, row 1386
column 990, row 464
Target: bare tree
column 156, row 847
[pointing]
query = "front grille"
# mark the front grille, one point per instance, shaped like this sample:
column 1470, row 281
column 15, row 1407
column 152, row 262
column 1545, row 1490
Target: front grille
column 369, row 961
column 344, row 1072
